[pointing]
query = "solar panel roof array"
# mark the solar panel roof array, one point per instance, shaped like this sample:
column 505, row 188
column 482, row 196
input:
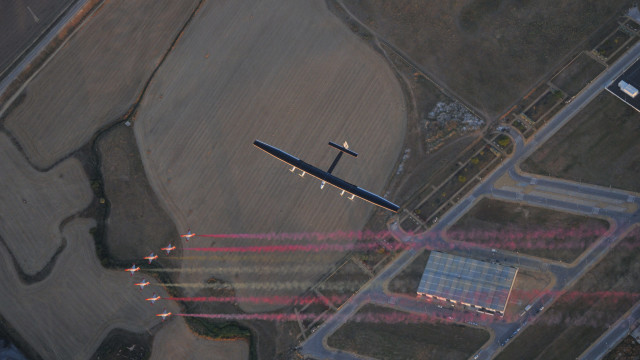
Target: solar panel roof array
column 469, row 281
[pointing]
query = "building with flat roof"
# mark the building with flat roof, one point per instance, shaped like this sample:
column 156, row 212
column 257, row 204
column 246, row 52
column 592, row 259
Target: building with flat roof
column 625, row 87
column 481, row 285
column 628, row 88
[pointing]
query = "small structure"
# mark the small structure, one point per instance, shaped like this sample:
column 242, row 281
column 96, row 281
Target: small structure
column 622, row 89
column 484, row 286
column 628, row 88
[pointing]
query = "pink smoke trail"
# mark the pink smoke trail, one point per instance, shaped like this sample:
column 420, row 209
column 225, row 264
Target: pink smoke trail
column 271, row 300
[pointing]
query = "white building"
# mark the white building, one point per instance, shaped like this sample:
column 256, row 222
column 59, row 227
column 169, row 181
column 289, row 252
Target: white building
column 628, row 89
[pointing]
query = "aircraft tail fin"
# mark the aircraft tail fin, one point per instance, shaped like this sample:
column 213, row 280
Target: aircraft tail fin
column 344, row 149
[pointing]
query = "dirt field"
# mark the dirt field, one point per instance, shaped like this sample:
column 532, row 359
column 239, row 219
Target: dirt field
column 488, row 52
column 528, row 285
column 96, row 77
column 33, row 204
column 176, row 341
column 576, row 319
column 577, row 75
column 69, row 299
column 136, row 225
column 598, row 146
column 19, row 28
column 294, row 76
column 407, row 341
column 521, row 223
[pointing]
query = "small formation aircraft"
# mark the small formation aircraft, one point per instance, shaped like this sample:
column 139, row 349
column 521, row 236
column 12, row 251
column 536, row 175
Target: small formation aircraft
column 133, row 269
column 326, row 176
column 154, row 298
column 151, row 257
column 188, row 235
column 168, row 248
column 164, row 314
column 142, row 284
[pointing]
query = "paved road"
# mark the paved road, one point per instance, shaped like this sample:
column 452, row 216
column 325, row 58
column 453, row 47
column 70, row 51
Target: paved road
column 315, row 345
column 613, row 336
column 44, row 41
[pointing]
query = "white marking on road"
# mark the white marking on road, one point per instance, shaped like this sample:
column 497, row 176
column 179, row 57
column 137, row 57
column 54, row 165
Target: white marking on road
column 35, row 18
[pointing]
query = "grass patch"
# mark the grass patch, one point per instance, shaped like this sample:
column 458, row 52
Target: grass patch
column 538, row 110
column 598, row 146
column 408, row 280
column 407, row 341
column 578, row 75
column 528, row 224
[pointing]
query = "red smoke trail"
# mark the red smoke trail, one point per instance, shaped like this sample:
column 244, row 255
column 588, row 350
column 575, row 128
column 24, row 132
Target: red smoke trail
column 370, row 317
column 288, row 248
column 500, row 244
column 505, row 234
column 271, row 300
column 590, row 317
column 584, row 297
column 320, row 236
column 508, row 239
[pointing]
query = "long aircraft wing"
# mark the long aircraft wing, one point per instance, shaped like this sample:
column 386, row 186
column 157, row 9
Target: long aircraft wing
column 327, row 177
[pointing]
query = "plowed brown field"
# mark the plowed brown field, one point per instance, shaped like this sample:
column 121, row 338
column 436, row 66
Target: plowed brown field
column 288, row 73
column 32, row 205
column 67, row 315
column 96, row 77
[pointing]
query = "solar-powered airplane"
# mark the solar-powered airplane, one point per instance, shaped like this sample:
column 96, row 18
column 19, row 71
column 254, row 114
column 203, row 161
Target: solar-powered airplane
column 326, row 176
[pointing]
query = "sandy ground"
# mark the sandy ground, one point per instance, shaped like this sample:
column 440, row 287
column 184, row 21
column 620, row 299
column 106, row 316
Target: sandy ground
column 176, row 341
column 290, row 74
column 32, row 205
column 95, row 77
column 67, row 315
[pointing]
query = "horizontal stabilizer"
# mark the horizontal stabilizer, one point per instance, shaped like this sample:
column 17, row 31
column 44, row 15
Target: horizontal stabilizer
column 343, row 149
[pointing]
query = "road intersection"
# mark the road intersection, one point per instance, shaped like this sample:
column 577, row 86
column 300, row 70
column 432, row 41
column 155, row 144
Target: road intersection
column 619, row 207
